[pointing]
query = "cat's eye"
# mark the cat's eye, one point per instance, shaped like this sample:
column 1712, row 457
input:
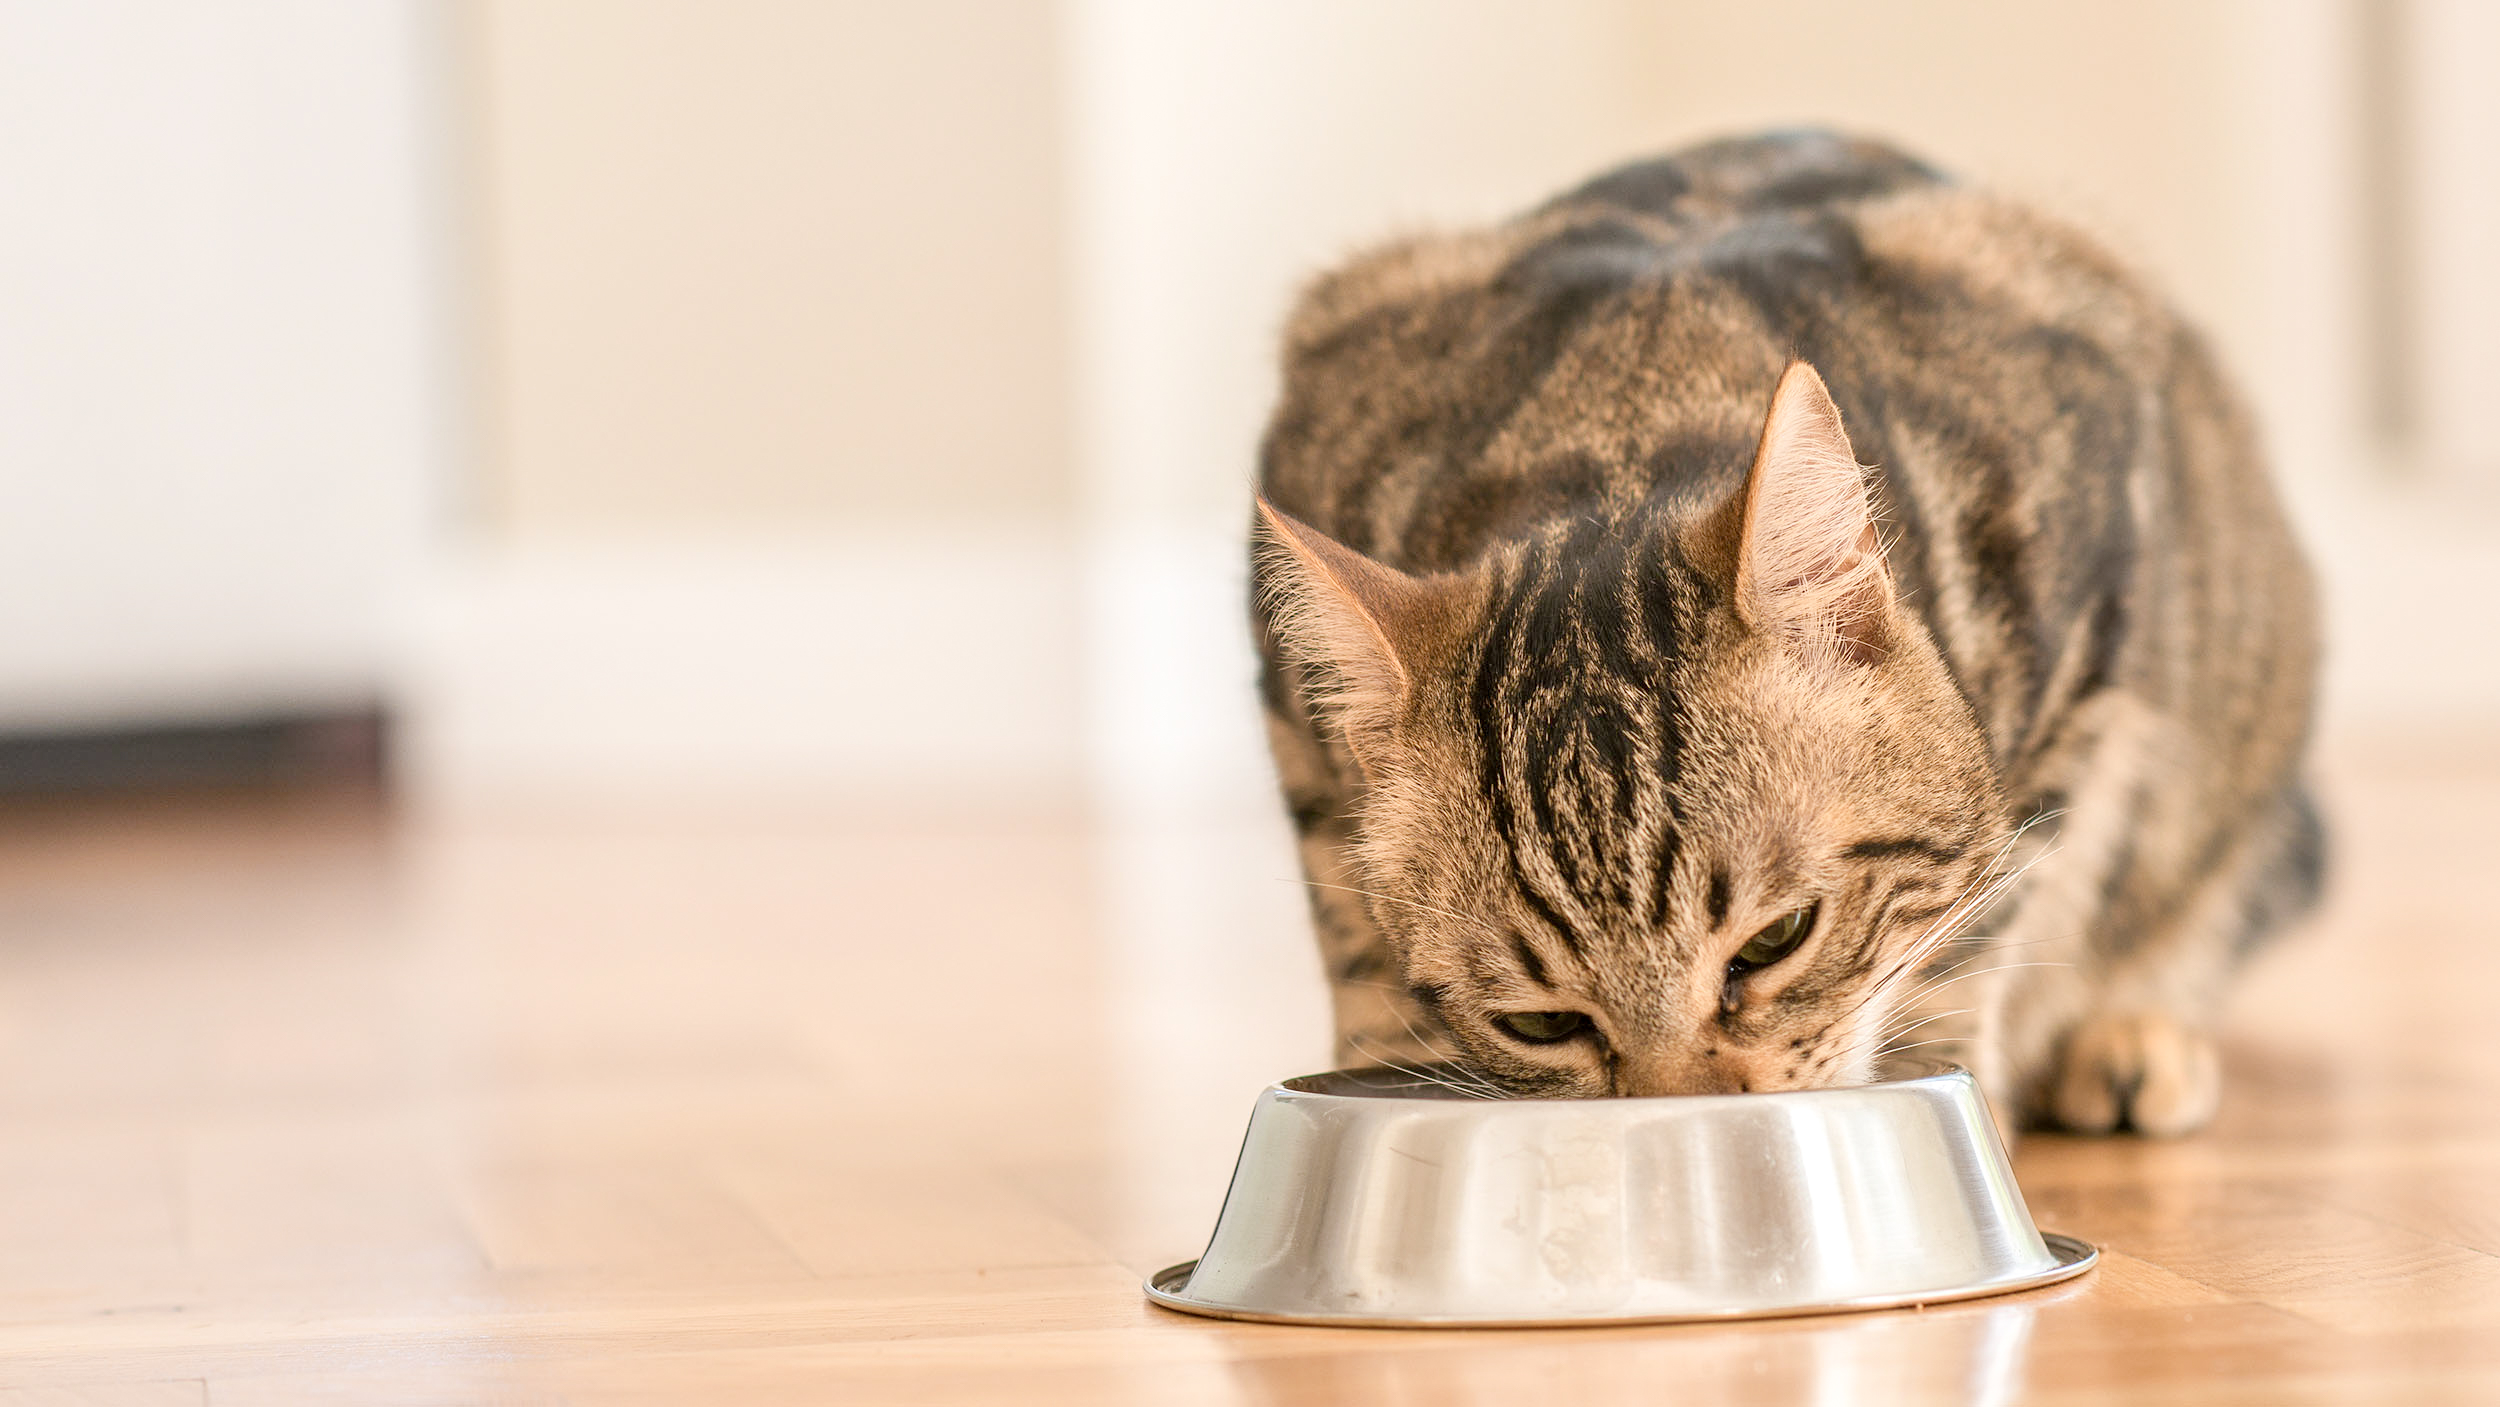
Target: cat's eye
column 1543, row 1027
column 1775, row 941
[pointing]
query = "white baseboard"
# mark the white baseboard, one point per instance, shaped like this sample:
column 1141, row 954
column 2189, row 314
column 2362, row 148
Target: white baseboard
column 930, row 671
column 1172, row 721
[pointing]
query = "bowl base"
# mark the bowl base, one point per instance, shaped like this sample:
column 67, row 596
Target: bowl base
column 1169, row 1288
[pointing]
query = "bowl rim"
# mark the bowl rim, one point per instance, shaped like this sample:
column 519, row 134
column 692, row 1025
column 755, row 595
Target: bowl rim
column 1913, row 1071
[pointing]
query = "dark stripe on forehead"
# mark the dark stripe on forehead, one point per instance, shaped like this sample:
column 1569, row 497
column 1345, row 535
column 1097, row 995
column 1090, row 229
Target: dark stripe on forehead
column 1655, row 579
column 1489, row 698
column 1540, row 780
column 1544, row 907
column 1575, row 714
column 1893, row 846
column 1529, row 962
column 1662, row 869
column 1807, row 166
column 1548, row 746
column 1653, row 587
column 1484, row 695
column 1597, row 253
column 1610, row 738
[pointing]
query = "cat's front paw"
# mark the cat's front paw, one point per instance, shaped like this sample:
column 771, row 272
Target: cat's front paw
column 2145, row 1070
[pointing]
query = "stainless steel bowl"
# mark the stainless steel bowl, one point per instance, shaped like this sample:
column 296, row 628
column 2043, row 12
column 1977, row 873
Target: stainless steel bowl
column 1376, row 1197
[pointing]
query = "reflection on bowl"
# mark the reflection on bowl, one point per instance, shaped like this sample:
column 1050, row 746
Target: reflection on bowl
column 1377, row 1197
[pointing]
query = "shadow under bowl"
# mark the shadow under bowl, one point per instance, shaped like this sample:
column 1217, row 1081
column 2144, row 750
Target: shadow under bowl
column 1375, row 1197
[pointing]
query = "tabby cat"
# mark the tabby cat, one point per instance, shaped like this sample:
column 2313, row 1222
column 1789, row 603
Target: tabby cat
column 1768, row 610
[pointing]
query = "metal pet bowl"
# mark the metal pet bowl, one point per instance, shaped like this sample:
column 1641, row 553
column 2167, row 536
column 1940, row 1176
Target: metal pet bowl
column 1376, row 1197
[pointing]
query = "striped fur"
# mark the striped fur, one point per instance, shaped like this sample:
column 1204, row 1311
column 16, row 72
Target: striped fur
column 1545, row 752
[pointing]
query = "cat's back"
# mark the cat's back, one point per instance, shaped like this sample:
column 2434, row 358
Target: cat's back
column 2073, row 495
column 1446, row 392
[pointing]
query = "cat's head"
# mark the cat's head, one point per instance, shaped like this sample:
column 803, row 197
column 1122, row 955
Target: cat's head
column 1675, row 803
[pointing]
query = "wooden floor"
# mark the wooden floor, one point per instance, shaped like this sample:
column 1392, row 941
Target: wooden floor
column 304, row 1104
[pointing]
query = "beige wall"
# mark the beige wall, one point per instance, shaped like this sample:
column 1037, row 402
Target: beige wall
column 2211, row 142
column 1231, row 150
column 773, row 263
column 2118, row 112
column 1228, row 152
column 766, row 264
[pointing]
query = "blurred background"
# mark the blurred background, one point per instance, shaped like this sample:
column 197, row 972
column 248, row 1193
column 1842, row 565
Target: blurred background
column 852, row 404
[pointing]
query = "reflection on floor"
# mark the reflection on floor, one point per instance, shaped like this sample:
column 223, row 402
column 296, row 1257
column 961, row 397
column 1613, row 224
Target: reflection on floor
column 303, row 1102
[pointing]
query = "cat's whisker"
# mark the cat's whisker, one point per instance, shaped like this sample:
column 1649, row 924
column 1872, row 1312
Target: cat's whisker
column 1425, row 1043
column 1404, row 1069
column 1984, row 889
column 1914, row 1045
column 1994, row 878
column 1463, row 1073
column 1399, row 1012
column 1971, row 904
column 1376, row 1052
column 1457, row 1063
column 2037, row 818
column 1476, row 923
column 1924, row 993
column 1948, row 974
column 1995, row 945
column 1927, row 1020
column 1989, row 883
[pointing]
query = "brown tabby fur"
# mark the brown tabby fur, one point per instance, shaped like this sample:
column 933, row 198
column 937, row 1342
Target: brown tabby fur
column 1581, row 672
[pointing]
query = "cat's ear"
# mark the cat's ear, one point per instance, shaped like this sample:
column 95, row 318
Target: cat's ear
column 1810, row 562
column 1369, row 626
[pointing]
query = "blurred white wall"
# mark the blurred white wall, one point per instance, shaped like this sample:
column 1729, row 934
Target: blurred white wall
column 222, row 400
column 768, row 263
column 2447, row 274
column 774, row 487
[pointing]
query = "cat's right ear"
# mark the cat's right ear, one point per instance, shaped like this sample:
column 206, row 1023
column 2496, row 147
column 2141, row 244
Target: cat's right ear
column 1367, row 626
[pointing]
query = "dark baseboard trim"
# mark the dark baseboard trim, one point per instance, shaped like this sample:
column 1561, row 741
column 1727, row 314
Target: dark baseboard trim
column 278, row 751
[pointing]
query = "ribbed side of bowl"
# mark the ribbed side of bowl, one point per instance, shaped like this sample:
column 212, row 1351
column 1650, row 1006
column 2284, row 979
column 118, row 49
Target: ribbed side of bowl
column 1386, row 1208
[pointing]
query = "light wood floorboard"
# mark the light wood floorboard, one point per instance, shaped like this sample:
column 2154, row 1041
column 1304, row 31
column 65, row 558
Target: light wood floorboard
column 309, row 1101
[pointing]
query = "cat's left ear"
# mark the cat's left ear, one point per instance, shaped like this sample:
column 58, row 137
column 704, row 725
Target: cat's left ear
column 1810, row 564
column 1371, row 627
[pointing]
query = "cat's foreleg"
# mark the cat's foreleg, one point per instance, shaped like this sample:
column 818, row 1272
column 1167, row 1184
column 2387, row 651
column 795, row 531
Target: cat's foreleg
column 2146, row 1057
column 2043, row 973
column 2113, row 968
